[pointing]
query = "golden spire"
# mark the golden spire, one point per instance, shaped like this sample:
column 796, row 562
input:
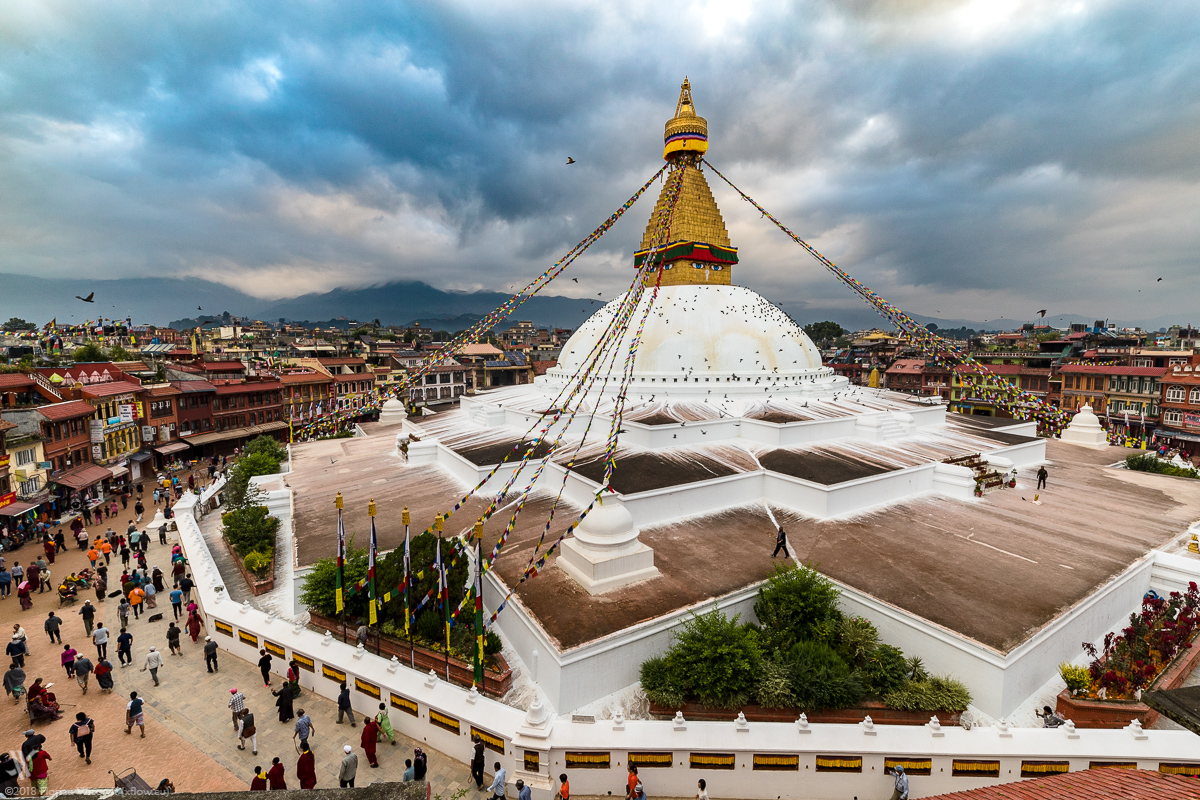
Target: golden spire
column 697, row 250
column 685, row 134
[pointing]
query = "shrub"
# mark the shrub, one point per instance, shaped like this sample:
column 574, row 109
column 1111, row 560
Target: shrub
column 717, row 660
column 938, row 693
column 267, row 445
column 796, row 603
column 257, row 563
column 250, row 529
column 1076, row 678
column 885, row 670
column 916, row 669
column 820, row 678
column 430, row 627
column 659, row 685
column 317, row 592
column 857, row 639
column 491, row 643
column 774, row 688
column 1148, row 462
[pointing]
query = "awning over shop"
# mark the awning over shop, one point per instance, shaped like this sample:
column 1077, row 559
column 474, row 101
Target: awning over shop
column 16, row 508
column 118, row 471
column 81, row 477
column 141, row 455
column 173, row 447
column 1168, row 434
column 235, row 433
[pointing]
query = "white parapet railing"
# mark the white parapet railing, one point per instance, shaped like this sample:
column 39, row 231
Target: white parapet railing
column 737, row 759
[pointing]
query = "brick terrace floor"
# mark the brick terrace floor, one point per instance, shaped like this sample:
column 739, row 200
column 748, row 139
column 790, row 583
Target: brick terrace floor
column 189, row 735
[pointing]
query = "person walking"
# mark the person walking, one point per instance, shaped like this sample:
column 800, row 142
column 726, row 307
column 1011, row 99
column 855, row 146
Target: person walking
column 10, row 773
column 780, row 544
column 900, row 790
column 100, row 638
column 93, row 555
column 104, row 675
column 123, row 609
column 348, row 769
column 39, row 771
column 6, row 582
column 259, row 782
column 246, row 730
column 306, row 768
column 303, row 729
column 16, row 651
column 236, row 706
column 420, row 764
column 81, row 735
column 68, row 660
column 106, row 549
column 210, row 654
column 83, row 670
column 564, row 788
column 194, row 626
column 101, row 586
column 153, row 663
column 135, row 713
column 477, row 761
column 187, row 584
column 701, row 789
column 176, row 596
column 385, row 723
column 344, row 709
column 283, row 702
column 125, row 648
column 523, row 791
column 136, row 596
column 139, row 509
column 498, row 780
column 14, row 683
column 264, row 667
column 370, row 740
column 88, row 612
column 151, row 595
column 173, row 632
column 633, row 785
column 52, row 624
column 1041, row 478
column 275, row 776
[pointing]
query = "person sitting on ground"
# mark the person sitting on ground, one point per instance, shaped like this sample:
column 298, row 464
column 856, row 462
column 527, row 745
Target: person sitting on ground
column 67, row 592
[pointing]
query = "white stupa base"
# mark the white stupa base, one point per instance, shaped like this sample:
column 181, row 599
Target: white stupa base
column 393, row 412
column 1095, row 439
column 600, row 572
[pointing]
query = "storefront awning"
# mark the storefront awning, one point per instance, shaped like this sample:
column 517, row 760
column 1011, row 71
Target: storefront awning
column 118, row 471
column 16, row 508
column 141, row 455
column 235, row 433
column 173, row 447
column 81, row 477
column 1164, row 433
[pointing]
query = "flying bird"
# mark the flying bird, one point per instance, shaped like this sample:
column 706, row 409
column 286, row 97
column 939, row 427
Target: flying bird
column 570, row 160
column 89, row 299
column 575, row 279
column 1158, row 281
column 1042, row 313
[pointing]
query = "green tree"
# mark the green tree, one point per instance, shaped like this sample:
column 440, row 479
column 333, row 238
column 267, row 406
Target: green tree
column 118, row 353
column 268, row 445
column 238, row 491
column 796, row 603
column 88, row 353
column 715, row 660
column 18, row 324
column 823, row 332
column 250, row 529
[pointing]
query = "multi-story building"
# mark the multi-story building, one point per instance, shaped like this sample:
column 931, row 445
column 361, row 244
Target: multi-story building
column 970, row 394
column 920, row 377
column 1127, row 396
column 116, row 425
column 67, row 446
column 160, row 430
column 193, row 407
column 306, row 394
column 7, row 495
column 443, row 384
column 1180, row 403
column 354, row 391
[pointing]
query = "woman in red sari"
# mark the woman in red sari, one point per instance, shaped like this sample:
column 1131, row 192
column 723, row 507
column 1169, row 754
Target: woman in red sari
column 193, row 625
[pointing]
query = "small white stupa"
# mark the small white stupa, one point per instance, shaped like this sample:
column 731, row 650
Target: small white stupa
column 605, row 552
column 1085, row 429
column 392, row 412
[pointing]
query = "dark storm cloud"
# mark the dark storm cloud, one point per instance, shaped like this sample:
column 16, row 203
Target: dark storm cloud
column 974, row 155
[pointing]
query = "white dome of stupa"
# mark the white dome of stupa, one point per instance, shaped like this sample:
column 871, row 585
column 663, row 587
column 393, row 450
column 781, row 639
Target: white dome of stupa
column 697, row 336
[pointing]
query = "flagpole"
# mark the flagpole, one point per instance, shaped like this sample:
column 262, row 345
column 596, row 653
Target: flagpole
column 477, row 678
column 412, row 654
column 444, row 590
column 341, row 565
column 373, row 611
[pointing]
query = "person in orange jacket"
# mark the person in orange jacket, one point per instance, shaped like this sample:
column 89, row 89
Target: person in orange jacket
column 136, row 596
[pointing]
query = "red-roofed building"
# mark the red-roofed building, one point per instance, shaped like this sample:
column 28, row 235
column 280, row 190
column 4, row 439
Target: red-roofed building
column 116, row 426
column 243, row 410
column 969, row 393
column 1172, row 782
column 65, row 434
column 920, row 377
column 306, row 394
column 355, row 391
column 193, row 407
column 1180, row 401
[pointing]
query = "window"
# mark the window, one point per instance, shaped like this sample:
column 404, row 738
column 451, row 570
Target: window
column 1175, row 394
column 1173, row 416
column 29, row 487
column 1195, row 397
column 24, row 457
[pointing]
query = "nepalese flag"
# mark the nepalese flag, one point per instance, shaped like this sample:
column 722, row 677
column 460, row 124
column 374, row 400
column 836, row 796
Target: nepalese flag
column 341, row 565
column 371, row 574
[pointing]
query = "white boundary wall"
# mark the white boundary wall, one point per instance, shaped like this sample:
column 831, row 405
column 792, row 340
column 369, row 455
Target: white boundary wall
column 556, row 743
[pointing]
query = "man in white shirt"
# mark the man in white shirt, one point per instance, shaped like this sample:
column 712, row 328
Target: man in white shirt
column 497, row 788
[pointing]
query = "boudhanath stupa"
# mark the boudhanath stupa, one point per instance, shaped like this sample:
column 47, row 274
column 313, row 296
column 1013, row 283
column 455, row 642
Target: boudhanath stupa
column 732, row 428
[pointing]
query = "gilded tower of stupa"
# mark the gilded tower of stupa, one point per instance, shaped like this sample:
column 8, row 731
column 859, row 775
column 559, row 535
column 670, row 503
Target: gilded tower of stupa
column 698, row 251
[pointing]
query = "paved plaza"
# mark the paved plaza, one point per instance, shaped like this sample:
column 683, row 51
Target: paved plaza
column 189, row 735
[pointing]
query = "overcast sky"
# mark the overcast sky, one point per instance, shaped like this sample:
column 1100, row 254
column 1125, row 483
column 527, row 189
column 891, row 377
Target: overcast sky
column 965, row 159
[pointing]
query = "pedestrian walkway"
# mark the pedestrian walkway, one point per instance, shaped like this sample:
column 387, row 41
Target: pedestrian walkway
column 189, row 732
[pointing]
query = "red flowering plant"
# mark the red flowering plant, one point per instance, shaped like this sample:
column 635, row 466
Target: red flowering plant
column 1130, row 661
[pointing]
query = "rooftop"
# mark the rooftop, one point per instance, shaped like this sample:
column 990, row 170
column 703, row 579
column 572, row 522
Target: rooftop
column 1089, row 784
column 110, row 389
column 71, row 409
column 1109, row 369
